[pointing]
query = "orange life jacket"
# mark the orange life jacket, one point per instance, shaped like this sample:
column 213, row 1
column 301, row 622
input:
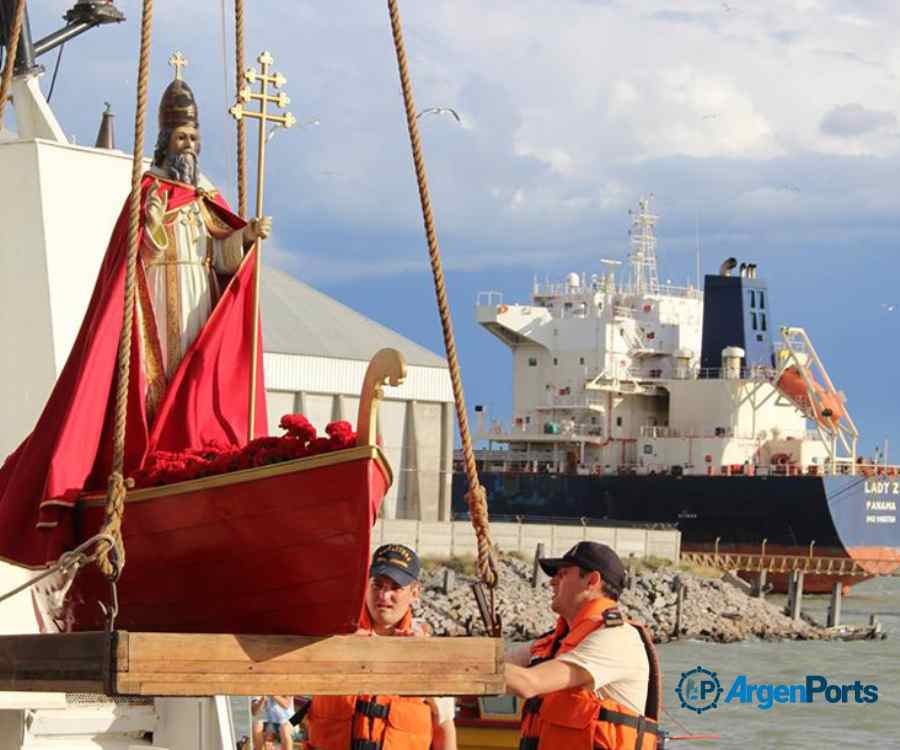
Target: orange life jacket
column 371, row 722
column 577, row 719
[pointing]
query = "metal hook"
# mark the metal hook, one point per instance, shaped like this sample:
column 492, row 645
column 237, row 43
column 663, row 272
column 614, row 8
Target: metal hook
column 110, row 613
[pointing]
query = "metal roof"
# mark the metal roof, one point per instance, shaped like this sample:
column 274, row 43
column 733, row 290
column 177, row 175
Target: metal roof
column 298, row 319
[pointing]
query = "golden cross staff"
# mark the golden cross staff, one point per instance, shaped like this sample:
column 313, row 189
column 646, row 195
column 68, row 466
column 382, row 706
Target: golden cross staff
column 287, row 120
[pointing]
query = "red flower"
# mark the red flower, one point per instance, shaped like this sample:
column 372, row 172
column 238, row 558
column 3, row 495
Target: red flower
column 167, row 467
column 298, row 426
column 342, row 435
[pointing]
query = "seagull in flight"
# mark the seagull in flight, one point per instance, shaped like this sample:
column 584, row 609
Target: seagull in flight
column 440, row 111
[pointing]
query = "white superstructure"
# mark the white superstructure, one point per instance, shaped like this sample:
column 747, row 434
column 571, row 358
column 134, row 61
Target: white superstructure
column 607, row 378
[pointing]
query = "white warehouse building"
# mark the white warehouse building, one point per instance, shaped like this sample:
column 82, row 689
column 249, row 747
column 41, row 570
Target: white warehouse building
column 317, row 351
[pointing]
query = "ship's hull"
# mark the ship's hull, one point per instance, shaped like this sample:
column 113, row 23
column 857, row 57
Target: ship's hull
column 281, row 549
column 844, row 516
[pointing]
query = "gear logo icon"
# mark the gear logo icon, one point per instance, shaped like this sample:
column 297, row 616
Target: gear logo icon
column 699, row 690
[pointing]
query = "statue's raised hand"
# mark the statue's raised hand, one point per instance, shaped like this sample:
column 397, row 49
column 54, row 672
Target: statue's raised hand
column 154, row 210
column 156, row 207
column 257, row 229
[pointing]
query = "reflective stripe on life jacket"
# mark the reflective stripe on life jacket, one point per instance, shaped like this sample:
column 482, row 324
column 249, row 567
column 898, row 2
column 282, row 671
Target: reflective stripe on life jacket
column 577, row 719
column 371, row 722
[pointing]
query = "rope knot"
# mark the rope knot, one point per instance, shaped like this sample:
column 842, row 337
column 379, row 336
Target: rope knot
column 111, row 559
column 476, row 498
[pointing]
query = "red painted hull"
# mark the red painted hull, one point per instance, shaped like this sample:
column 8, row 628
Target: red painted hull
column 281, row 549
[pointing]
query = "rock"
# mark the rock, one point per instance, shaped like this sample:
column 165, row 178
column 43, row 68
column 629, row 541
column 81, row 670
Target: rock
column 712, row 610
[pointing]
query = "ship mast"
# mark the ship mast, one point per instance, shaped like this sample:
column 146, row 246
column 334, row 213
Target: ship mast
column 644, row 276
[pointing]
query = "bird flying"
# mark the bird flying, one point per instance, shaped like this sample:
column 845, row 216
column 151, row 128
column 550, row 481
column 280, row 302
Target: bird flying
column 440, row 111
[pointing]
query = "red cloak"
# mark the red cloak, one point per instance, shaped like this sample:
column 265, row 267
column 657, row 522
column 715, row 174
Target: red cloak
column 70, row 448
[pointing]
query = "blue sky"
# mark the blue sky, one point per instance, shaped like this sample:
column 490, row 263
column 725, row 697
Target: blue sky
column 771, row 126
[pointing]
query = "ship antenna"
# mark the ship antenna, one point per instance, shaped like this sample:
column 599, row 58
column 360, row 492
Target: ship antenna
column 643, row 249
column 697, row 232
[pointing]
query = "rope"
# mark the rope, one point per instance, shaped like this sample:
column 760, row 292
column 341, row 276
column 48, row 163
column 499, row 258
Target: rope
column 117, row 486
column 241, row 131
column 12, row 47
column 72, row 560
column 476, row 496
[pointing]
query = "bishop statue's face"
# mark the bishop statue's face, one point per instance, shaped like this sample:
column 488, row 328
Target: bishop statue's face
column 184, row 139
column 181, row 160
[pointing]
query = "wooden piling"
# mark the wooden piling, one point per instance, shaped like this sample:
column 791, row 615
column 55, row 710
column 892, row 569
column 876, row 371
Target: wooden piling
column 449, row 581
column 761, row 584
column 537, row 574
column 796, row 601
column 679, row 605
column 789, row 604
column 874, row 625
column 834, row 609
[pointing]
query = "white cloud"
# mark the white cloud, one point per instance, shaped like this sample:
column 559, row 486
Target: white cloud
column 849, row 120
column 570, row 111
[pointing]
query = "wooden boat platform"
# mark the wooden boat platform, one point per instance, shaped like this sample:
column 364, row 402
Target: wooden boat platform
column 122, row 663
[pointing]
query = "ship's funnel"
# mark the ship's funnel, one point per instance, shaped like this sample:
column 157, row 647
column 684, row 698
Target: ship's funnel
column 727, row 266
column 106, row 137
column 731, row 362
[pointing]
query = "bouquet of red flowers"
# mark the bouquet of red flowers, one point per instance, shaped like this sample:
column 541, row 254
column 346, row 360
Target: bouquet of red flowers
column 300, row 440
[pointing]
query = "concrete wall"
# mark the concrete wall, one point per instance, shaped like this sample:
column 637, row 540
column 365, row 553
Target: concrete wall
column 457, row 538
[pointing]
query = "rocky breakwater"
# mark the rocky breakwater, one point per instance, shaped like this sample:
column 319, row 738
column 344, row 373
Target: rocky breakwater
column 712, row 609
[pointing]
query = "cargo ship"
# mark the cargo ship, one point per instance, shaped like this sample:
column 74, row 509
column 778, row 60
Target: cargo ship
column 638, row 402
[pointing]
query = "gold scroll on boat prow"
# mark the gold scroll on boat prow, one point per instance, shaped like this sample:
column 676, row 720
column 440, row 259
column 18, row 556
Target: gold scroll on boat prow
column 172, row 664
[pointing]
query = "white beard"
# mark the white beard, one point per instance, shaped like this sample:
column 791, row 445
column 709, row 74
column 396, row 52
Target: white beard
column 182, row 167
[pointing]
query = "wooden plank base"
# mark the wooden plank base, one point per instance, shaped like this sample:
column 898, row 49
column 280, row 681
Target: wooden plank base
column 173, row 664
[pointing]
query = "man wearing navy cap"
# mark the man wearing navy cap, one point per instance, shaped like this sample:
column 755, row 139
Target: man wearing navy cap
column 393, row 587
column 595, row 674
column 379, row 722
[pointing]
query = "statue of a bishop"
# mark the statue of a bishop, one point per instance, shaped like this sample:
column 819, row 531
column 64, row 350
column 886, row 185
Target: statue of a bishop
column 189, row 381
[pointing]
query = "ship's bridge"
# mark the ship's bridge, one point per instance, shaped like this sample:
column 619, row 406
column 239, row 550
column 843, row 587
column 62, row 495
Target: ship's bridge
column 512, row 324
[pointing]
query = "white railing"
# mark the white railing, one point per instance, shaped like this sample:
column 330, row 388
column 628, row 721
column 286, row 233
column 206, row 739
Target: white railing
column 486, row 299
column 567, row 429
column 571, row 402
column 870, row 469
column 670, row 290
column 563, row 290
column 661, row 431
column 757, row 372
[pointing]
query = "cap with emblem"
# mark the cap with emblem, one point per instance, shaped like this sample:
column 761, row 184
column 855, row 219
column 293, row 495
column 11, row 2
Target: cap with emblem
column 590, row 556
column 397, row 562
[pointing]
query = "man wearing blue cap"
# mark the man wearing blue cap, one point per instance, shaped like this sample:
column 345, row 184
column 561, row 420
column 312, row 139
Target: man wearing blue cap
column 379, row 722
column 594, row 680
